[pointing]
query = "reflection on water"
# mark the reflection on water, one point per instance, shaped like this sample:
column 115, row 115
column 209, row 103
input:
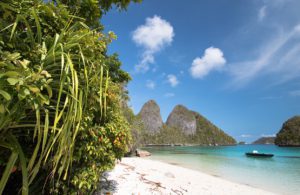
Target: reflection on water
column 280, row 173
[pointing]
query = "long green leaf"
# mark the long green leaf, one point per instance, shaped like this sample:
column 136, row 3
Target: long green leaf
column 38, row 26
column 100, row 90
column 46, row 130
column 105, row 93
column 25, row 185
column 14, row 28
column 7, row 27
column 8, row 169
column 37, row 146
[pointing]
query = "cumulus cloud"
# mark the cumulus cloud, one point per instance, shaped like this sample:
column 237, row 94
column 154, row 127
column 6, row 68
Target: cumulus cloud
column 152, row 36
column 172, row 80
column 262, row 13
column 150, row 84
column 212, row 59
column 280, row 56
column 169, row 95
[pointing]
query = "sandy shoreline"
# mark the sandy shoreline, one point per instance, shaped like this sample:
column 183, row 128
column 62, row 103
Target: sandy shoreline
column 145, row 176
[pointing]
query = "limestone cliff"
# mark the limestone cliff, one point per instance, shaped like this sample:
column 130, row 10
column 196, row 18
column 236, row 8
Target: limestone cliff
column 151, row 118
column 183, row 119
column 183, row 126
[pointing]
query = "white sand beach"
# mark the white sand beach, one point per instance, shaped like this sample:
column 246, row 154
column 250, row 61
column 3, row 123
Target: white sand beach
column 144, row 176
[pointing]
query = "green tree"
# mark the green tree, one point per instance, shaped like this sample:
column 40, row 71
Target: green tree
column 57, row 84
column 93, row 10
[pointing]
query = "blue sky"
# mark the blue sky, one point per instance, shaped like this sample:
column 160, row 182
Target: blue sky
column 236, row 62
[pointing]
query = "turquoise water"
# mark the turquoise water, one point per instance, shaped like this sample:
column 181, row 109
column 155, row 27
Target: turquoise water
column 280, row 174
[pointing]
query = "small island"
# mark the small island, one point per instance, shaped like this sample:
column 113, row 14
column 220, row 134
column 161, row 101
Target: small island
column 289, row 134
column 264, row 140
column 183, row 127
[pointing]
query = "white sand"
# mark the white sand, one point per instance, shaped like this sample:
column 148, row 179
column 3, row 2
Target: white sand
column 144, row 176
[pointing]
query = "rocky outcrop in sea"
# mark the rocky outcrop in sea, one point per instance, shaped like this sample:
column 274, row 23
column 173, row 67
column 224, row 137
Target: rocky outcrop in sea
column 289, row 134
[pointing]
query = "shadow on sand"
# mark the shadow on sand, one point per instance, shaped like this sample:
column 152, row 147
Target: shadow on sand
column 106, row 186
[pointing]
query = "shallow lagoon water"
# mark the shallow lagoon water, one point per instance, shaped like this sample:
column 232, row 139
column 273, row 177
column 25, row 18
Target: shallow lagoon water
column 280, row 173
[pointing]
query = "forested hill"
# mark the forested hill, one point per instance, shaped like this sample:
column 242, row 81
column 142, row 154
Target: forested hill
column 264, row 140
column 183, row 126
column 289, row 134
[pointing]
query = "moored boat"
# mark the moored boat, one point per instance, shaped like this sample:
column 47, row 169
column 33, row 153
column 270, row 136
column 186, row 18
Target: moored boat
column 255, row 153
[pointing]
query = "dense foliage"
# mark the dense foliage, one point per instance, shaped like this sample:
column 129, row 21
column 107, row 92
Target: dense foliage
column 97, row 147
column 289, row 134
column 172, row 135
column 60, row 96
column 137, row 129
column 208, row 134
column 92, row 10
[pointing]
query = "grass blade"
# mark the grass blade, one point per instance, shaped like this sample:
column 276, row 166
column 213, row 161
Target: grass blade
column 8, row 169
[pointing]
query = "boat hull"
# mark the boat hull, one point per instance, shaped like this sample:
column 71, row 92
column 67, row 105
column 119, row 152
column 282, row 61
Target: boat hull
column 259, row 155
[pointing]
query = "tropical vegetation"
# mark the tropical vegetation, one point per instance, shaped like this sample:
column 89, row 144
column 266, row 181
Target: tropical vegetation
column 172, row 135
column 61, row 96
column 289, row 134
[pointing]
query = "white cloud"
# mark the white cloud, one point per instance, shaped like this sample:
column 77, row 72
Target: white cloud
column 295, row 93
column 153, row 36
column 262, row 13
column 211, row 60
column 268, row 135
column 172, row 79
column 246, row 135
column 280, row 56
column 169, row 95
column 150, row 84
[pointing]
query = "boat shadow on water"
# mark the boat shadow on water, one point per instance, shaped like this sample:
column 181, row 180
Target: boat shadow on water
column 260, row 159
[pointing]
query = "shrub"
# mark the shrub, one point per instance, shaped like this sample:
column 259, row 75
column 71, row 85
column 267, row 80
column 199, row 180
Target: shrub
column 59, row 97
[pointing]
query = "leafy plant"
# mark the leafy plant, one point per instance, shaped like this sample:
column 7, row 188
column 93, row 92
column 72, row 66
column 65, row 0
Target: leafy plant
column 55, row 88
column 98, row 146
